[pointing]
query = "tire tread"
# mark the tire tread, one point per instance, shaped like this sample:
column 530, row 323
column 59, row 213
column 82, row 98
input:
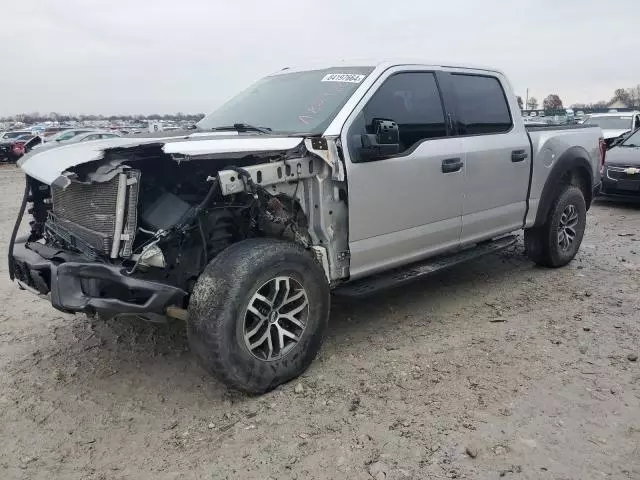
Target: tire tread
column 540, row 241
column 214, row 306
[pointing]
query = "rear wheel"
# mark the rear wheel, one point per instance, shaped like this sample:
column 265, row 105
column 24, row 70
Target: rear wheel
column 557, row 242
column 258, row 314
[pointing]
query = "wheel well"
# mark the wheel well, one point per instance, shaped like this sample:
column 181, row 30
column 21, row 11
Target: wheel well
column 578, row 176
column 571, row 169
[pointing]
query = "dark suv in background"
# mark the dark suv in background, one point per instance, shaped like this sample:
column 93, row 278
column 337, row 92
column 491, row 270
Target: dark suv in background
column 621, row 171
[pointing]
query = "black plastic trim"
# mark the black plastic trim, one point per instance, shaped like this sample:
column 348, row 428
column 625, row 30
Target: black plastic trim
column 613, row 194
column 44, row 269
column 573, row 158
column 526, row 211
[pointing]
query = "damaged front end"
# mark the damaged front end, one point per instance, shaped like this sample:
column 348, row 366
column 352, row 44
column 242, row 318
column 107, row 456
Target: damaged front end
column 130, row 230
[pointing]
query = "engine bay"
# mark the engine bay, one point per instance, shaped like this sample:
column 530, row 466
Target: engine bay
column 174, row 219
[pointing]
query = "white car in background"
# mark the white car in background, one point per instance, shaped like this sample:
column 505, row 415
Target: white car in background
column 615, row 125
column 13, row 134
column 92, row 135
column 68, row 134
column 76, row 137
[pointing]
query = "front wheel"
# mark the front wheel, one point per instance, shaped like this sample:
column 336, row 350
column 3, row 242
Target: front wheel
column 557, row 242
column 258, row 313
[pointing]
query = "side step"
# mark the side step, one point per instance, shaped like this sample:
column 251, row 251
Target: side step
column 399, row 276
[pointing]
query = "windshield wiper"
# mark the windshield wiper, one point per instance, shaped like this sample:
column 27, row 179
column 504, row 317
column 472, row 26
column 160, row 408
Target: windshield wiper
column 242, row 127
column 631, row 145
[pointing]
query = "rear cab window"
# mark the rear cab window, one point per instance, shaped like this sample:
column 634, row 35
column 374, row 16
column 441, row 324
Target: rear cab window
column 482, row 107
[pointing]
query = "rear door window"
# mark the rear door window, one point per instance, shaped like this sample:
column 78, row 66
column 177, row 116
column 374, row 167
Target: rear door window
column 482, row 106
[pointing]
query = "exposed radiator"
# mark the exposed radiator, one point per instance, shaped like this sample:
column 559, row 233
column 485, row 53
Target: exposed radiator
column 85, row 215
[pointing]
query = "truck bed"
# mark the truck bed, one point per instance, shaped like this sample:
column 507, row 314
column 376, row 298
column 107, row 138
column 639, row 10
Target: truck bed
column 536, row 128
column 546, row 142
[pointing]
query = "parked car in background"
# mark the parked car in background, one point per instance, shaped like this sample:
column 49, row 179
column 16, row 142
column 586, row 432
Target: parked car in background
column 614, row 125
column 49, row 132
column 68, row 134
column 13, row 134
column 92, row 135
column 81, row 137
column 621, row 171
column 11, row 150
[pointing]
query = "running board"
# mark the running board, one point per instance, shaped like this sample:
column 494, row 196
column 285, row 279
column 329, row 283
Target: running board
column 399, row 276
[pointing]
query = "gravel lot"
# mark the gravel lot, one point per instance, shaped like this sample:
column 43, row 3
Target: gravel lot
column 493, row 369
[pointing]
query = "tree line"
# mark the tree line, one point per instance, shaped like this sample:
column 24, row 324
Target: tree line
column 628, row 96
column 35, row 117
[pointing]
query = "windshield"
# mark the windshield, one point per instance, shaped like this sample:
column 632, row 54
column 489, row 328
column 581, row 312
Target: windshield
column 67, row 135
column 610, row 123
column 291, row 103
column 633, row 139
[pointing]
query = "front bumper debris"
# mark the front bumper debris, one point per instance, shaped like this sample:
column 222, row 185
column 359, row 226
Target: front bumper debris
column 77, row 285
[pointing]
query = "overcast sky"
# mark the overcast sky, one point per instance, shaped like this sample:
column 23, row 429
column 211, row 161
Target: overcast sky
column 165, row 56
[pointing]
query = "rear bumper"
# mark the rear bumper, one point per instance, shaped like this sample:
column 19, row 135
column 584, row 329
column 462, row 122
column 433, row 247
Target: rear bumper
column 89, row 287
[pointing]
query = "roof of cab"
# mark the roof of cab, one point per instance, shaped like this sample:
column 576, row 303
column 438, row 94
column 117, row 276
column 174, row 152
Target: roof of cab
column 382, row 65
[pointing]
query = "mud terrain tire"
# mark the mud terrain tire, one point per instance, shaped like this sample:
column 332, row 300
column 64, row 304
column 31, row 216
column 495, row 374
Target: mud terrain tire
column 233, row 306
column 557, row 242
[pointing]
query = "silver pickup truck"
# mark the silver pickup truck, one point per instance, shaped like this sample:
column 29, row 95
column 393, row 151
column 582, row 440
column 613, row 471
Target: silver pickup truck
column 351, row 178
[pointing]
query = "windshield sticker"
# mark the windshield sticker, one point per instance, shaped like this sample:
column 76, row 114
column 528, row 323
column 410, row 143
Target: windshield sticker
column 343, row 77
column 315, row 107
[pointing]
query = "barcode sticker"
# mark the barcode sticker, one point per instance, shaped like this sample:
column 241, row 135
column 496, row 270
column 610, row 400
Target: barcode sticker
column 343, row 77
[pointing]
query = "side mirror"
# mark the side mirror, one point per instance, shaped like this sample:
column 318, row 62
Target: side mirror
column 381, row 144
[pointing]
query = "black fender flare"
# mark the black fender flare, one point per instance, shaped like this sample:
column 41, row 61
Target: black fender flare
column 575, row 158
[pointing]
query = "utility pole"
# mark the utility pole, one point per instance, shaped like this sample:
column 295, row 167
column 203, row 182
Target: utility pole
column 526, row 103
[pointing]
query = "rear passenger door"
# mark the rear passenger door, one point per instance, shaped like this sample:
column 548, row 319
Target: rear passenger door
column 497, row 155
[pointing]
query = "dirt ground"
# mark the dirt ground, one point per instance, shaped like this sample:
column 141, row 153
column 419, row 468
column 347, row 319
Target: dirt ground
column 493, row 369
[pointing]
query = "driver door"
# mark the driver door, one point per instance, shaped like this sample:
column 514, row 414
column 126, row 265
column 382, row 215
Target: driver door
column 407, row 206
